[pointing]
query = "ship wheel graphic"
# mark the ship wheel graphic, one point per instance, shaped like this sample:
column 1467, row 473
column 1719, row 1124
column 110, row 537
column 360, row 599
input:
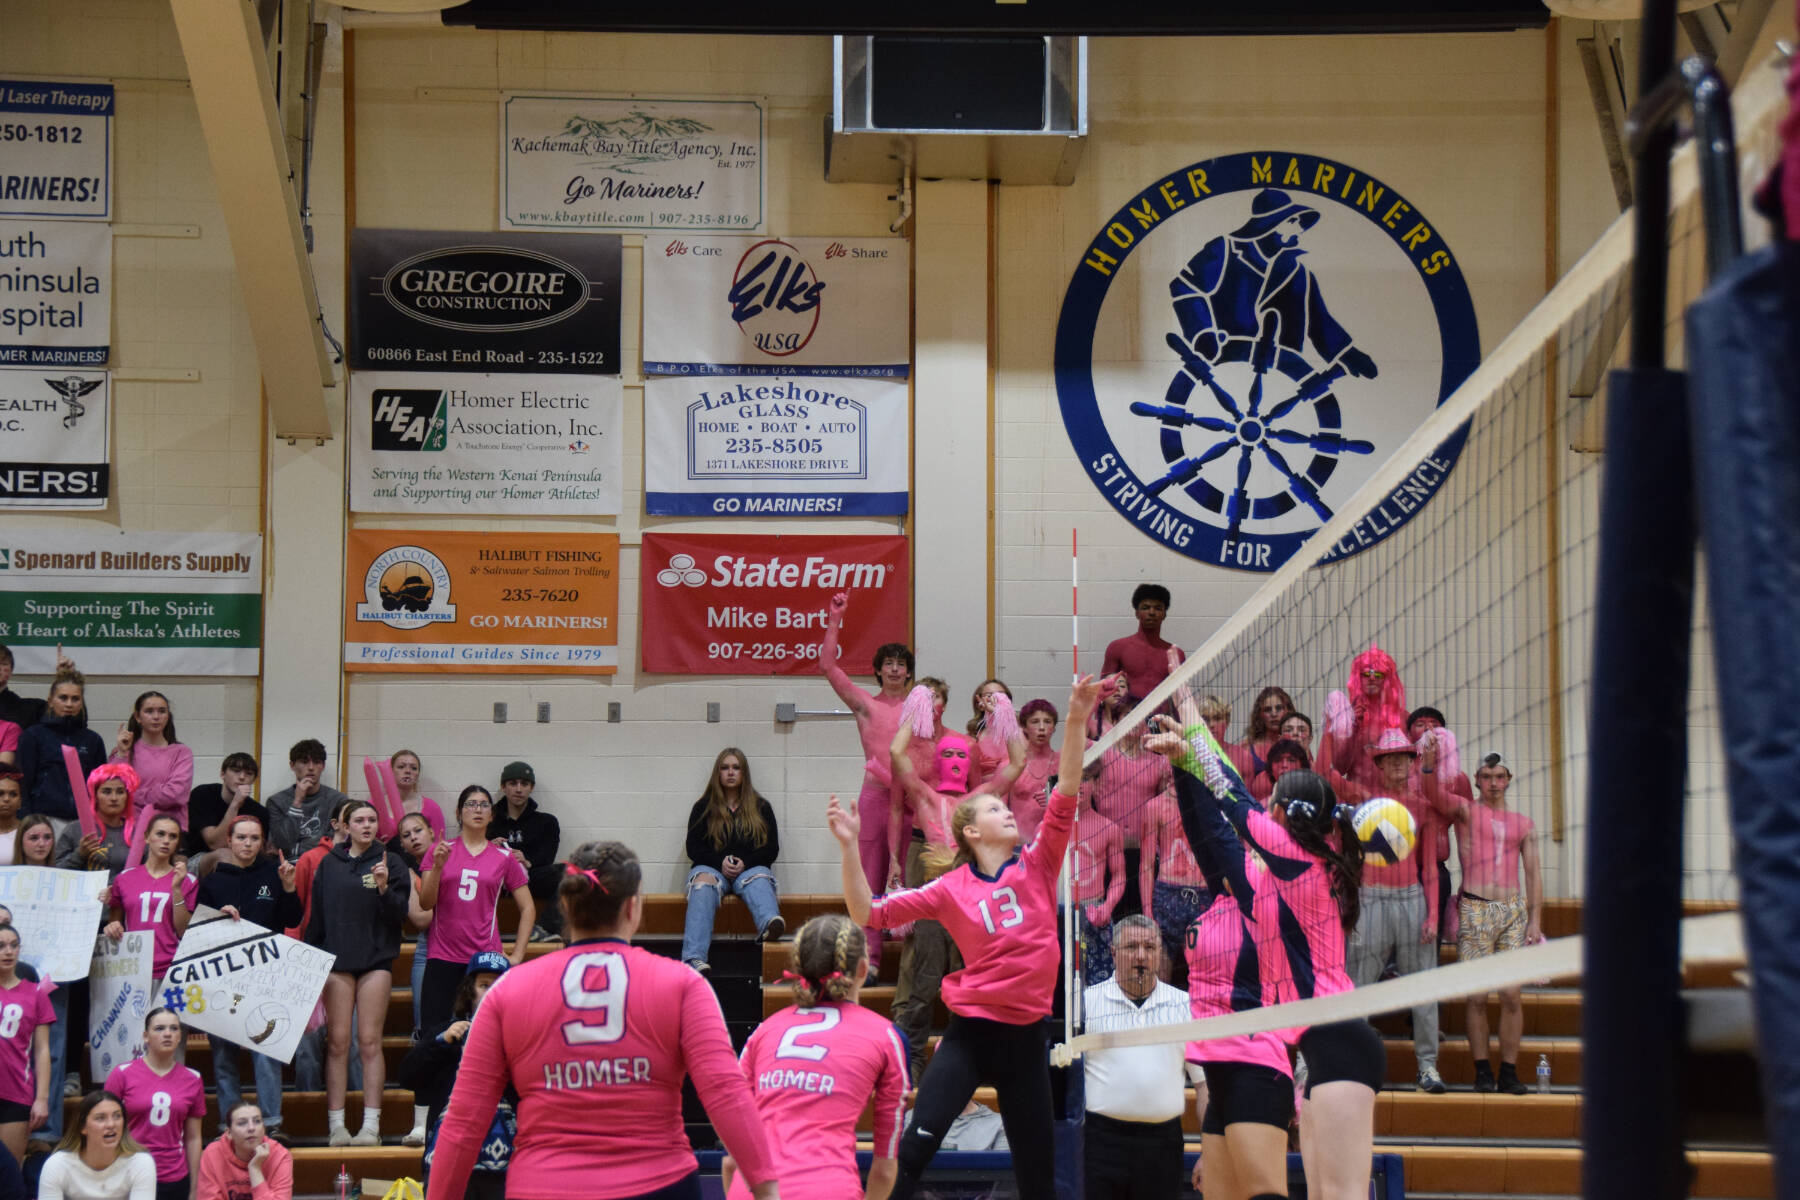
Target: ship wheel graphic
column 1267, row 403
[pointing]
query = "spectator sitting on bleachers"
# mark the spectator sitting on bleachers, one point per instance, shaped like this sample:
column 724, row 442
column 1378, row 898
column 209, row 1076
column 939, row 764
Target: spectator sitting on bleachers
column 64, row 723
column 535, row 836
column 164, row 766
column 213, row 808
column 1285, row 755
column 23, row 711
column 300, row 815
column 1298, row 727
column 245, row 1162
column 429, row 1069
column 113, row 786
column 732, row 841
column 408, row 767
column 12, row 798
column 1271, row 708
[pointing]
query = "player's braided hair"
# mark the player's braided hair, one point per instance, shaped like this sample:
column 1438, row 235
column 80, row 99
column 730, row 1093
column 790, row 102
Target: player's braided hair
column 825, row 958
column 1313, row 816
column 599, row 878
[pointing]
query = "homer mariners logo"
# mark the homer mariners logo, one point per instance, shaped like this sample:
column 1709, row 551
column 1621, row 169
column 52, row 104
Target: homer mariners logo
column 406, row 587
column 1246, row 340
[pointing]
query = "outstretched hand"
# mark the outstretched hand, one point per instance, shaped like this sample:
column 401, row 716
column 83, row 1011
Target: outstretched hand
column 1083, row 697
column 839, row 604
column 845, row 825
column 1165, row 743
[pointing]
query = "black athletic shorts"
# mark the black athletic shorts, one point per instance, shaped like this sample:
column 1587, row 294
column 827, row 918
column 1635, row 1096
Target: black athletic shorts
column 1246, row 1092
column 1344, row 1051
column 12, row 1111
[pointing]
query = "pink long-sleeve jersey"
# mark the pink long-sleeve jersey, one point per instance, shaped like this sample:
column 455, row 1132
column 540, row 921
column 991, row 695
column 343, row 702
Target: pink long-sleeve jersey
column 1005, row 925
column 813, row 1070
column 1224, row 977
column 596, row 1039
column 1294, row 903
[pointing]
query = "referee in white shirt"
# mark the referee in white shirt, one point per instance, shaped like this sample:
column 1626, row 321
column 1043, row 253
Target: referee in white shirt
column 1135, row 1094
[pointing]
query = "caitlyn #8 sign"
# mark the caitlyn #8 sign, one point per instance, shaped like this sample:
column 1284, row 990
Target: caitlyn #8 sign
column 482, row 602
column 757, row 604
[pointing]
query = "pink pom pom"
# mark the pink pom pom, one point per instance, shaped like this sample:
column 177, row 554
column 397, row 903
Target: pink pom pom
column 1340, row 717
column 1002, row 725
column 916, row 711
column 1449, row 758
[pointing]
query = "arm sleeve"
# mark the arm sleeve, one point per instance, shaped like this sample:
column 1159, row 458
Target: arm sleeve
column 9, row 736
column 764, row 855
column 890, row 1093
column 702, row 852
column 479, row 1082
column 706, row 1048
column 909, row 904
column 211, row 1185
column 393, row 902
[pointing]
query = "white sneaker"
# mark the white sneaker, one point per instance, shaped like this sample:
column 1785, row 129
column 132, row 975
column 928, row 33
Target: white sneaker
column 366, row 1137
column 414, row 1137
column 71, row 1088
column 1431, row 1081
column 339, row 1137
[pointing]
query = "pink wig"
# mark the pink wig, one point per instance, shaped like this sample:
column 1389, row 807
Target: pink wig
column 1389, row 711
column 113, row 770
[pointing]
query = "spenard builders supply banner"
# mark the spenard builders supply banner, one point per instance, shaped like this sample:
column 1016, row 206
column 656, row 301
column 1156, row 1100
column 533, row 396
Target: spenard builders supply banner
column 757, row 604
column 482, row 602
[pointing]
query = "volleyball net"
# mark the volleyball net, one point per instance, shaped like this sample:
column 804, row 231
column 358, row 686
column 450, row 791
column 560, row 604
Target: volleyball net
column 1470, row 611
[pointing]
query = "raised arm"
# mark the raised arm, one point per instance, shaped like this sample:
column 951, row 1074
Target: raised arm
column 1534, row 887
column 1000, row 783
column 844, row 827
column 1148, row 857
column 853, row 697
column 1446, row 802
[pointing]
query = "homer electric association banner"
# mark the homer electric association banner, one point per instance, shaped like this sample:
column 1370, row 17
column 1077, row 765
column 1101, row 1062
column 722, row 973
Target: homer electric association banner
column 771, row 445
column 486, row 602
column 768, row 306
column 756, row 604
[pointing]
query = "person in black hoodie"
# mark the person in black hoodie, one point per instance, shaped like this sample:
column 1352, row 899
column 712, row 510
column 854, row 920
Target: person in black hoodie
column 429, row 1069
column 247, row 885
column 23, row 711
column 40, row 749
column 359, row 895
column 535, row 836
column 733, row 842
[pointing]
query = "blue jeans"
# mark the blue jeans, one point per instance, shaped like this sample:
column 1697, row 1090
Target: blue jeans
column 309, row 1061
column 225, row 1075
column 756, row 887
column 418, row 977
column 59, row 1046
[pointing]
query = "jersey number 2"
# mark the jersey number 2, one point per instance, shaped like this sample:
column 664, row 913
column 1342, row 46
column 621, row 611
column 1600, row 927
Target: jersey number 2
column 607, row 1004
column 1007, row 901
column 818, row 1021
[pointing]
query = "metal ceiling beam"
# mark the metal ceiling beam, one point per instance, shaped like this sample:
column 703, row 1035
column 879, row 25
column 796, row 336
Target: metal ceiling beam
column 235, row 95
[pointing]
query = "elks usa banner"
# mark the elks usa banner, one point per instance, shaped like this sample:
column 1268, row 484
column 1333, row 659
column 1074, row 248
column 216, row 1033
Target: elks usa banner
column 793, row 306
column 55, row 437
column 485, row 444
column 757, row 604
column 772, row 445
column 55, row 293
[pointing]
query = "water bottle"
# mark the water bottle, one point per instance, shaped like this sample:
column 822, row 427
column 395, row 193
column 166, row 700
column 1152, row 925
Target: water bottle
column 1543, row 1074
column 343, row 1179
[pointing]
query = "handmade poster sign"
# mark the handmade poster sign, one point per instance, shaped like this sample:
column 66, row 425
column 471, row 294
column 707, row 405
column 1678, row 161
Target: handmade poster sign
column 119, row 989
column 56, row 913
column 246, row 984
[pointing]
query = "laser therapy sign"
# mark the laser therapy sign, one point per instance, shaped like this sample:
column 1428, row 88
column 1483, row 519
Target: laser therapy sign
column 1246, row 340
column 56, row 149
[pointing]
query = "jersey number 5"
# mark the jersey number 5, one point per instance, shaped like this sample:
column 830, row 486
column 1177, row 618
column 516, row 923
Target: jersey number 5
column 607, row 1004
column 1007, row 902
column 818, row 1021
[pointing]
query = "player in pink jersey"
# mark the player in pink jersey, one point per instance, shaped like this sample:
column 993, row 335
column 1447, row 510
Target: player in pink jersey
column 165, row 1103
column 1493, row 842
column 1099, row 879
column 1038, row 719
column 877, row 717
column 25, row 1019
column 157, row 896
column 461, row 891
column 1000, row 907
column 816, row 1064
column 596, row 1039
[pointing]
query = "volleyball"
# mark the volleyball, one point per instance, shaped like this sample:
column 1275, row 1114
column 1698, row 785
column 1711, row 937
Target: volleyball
column 1386, row 829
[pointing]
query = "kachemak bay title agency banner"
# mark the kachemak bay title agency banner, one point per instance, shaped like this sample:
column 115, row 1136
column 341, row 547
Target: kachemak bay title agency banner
column 55, row 438
column 761, row 445
column 56, row 149
column 794, row 306
column 132, row 604
column 487, row 602
column 428, row 300
column 485, row 444
column 625, row 162
column 55, row 293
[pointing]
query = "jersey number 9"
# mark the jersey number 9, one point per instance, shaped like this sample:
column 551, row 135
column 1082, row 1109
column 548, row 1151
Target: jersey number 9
column 606, row 1003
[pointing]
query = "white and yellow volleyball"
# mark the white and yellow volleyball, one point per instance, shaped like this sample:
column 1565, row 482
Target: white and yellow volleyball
column 1386, row 830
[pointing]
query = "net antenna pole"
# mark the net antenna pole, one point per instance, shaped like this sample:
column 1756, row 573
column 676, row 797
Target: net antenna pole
column 1074, row 607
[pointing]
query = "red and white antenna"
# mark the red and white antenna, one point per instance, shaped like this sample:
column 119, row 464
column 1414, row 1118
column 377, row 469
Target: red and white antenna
column 1074, row 606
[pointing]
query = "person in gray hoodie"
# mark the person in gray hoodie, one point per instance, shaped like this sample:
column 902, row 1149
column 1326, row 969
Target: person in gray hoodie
column 300, row 815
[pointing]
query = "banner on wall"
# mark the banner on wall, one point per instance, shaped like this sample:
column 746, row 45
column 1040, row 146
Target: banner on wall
column 632, row 163
column 56, row 913
column 142, row 603
column 55, row 293
column 244, row 983
column 485, row 444
column 756, row 604
column 55, row 438
column 119, row 988
column 482, row 602
column 58, row 139
column 429, row 300
column 794, row 306
column 762, row 445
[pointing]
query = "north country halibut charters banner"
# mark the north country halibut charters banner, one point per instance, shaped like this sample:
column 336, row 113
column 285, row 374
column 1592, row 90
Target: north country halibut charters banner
column 489, row 602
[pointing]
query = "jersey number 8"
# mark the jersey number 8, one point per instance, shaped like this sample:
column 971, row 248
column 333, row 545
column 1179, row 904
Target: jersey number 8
column 607, row 1003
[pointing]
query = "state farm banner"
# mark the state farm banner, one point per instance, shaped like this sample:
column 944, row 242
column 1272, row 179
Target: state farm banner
column 793, row 306
column 774, row 446
column 56, row 296
column 756, row 604
column 55, row 438
column 632, row 163
column 58, row 157
column 431, row 300
column 139, row 603
column 482, row 602
column 487, row 444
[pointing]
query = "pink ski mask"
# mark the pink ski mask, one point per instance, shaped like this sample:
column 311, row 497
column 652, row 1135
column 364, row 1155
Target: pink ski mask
column 953, row 764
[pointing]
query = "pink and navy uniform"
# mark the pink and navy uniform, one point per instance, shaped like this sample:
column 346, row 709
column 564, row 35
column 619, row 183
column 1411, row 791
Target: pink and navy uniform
column 23, row 1007
column 145, row 903
column 463, row 924
column 157, row 1109
column 1224, row 976
column 813, row 1070
column 596, row 1039
column 1005, row 925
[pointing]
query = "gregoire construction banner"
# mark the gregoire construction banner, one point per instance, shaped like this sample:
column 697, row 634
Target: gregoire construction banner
column 55, row 438
column 432, row 301
column 55, row 293
column 756, row 604
column 513, row 444
column 774, row 446
column 58, row 139
column 631, row 162
column 132, row 604
column 794, row 306
column 482, row 602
